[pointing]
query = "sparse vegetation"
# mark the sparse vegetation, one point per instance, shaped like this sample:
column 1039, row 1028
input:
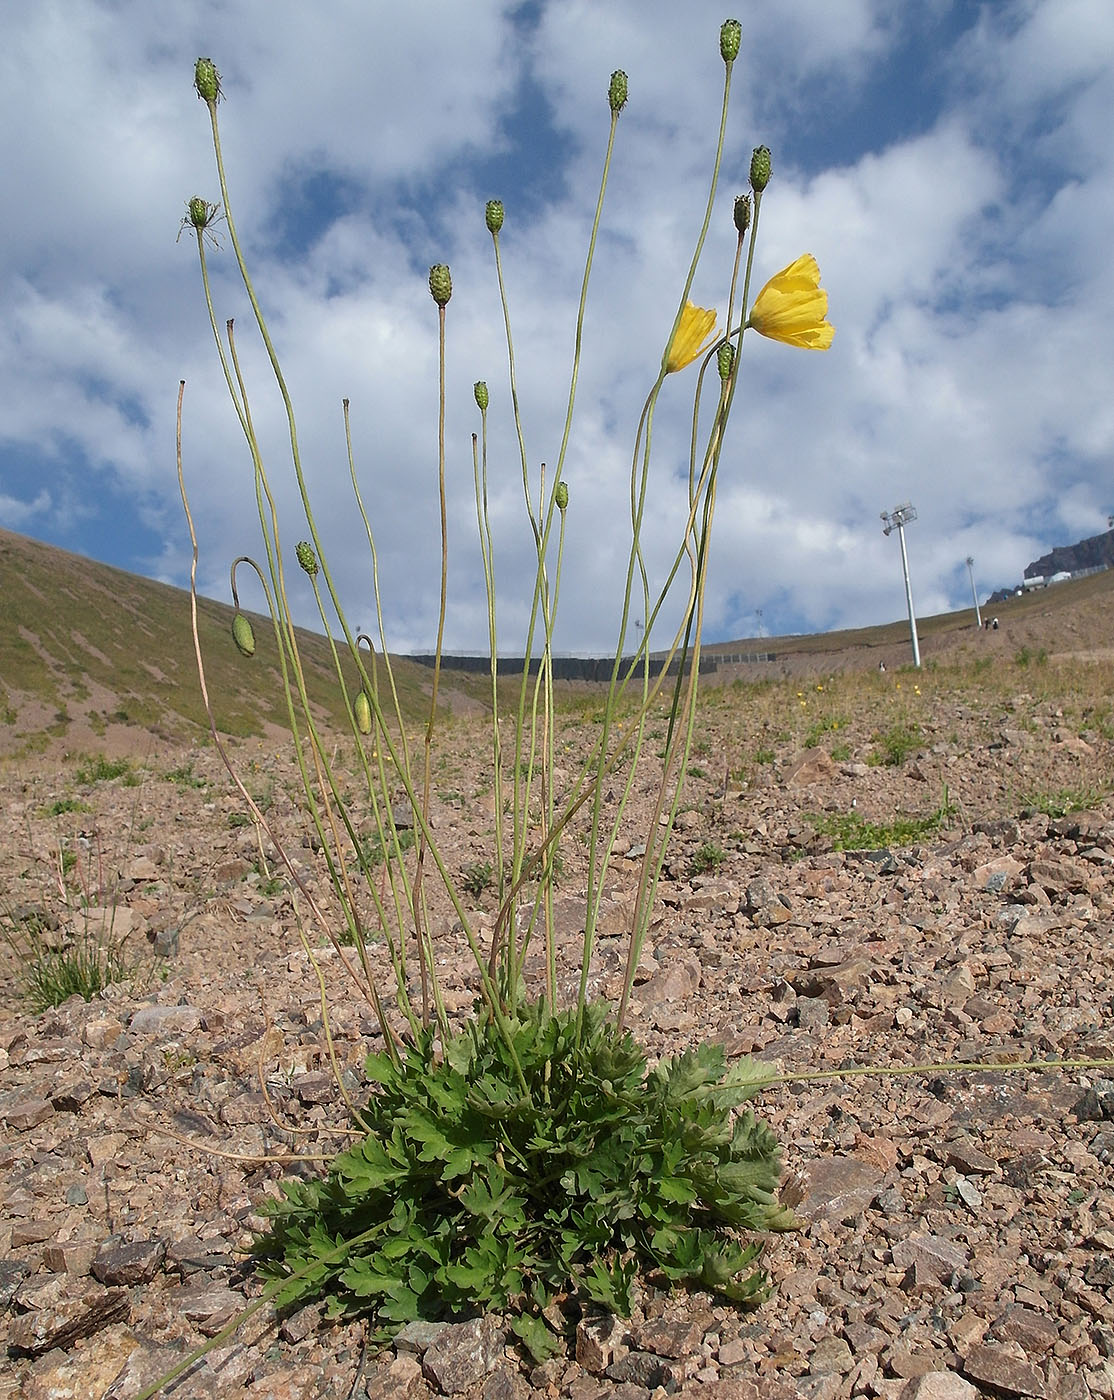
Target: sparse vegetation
column 102, row 770
column 1063, row 801
column 478, row 877
column 849, row 831
column 706, row 858
column 895, row 744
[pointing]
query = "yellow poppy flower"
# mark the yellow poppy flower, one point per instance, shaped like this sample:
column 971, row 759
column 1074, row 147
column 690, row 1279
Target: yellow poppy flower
column 695, row 327
column 791, row 307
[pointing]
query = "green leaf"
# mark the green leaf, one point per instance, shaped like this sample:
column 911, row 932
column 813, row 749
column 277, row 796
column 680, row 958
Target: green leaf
column 535, row 1336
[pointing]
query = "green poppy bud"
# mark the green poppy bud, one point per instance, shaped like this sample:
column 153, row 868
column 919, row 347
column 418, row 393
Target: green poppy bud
column 617, row 91
column 741, row 212
column 243, row 635
column 480, row 391
column 493, row 215
column 361, row 708
column 306, row 557
column 199, row 212
column 760, row 169
column 730, row 37
column 206, row 80
column 725, row 359
column 561, row 495
column 440, row 284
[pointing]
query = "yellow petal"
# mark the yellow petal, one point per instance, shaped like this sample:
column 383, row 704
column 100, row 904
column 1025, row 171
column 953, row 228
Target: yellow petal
column 696, row 325
column 791, row 307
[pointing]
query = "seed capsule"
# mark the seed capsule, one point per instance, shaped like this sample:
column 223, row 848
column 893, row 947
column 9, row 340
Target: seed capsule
column 760, row 169
column 361, row 708
column 206, row 80
column 440, row 284
column 561, row 495
column 741, row 212
column 617, row 91
column 306, row 557
column 243, row 635
column 480, row 391
column 725, row 359
column 730, row 37
column 493, row 215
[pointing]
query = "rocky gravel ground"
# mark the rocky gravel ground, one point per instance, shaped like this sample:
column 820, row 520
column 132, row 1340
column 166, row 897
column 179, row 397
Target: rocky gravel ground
column 957, row 1226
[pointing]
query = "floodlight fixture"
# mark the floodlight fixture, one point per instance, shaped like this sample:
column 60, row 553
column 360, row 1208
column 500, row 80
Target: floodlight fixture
column 897, row 519
column 974, row 591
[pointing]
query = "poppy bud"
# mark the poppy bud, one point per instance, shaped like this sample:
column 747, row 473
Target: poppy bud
column 760, row 169
column 243, row 635
column 206, row 80
column 493, row 215
column 361, row 708
column 730, row 37
column 440, row 284
column 306, row 557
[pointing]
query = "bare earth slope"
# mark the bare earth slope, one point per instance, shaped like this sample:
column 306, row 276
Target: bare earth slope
column 959, row 1223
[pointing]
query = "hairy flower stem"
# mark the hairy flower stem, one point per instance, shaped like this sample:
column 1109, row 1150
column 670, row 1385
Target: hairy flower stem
column 421, row 918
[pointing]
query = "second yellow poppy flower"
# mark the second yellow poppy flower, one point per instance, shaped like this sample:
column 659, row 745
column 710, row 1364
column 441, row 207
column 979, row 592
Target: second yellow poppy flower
column 791, row 307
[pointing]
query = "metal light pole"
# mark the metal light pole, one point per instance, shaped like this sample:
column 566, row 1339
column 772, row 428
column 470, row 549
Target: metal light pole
column 897, row 519
column 974, row 593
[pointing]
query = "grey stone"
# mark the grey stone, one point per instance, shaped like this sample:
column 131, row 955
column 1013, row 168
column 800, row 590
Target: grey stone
column 991, row 1366
column 63, row 1310
column 165, row 1020
column 835, row 1188
column 122, row 1263
column 931, row 1253
column 463, row 1354
column 938, row 1385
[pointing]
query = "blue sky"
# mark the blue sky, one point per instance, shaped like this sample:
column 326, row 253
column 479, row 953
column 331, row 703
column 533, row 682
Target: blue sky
column 947, row 163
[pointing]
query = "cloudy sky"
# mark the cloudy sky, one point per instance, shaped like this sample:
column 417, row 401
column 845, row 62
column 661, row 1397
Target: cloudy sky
column 948, row 163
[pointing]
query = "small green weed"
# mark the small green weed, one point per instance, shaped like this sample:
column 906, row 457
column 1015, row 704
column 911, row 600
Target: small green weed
column 478, row 877
column 374, row 847
column 64, row 805
column 841, row 752
column 695, row 771
column 851, row 832
column 102, row 769
column 707, row 858
column 895, row 745
column 184, row 776
column 1063, row 801
column 821, row 727
column 764, row 756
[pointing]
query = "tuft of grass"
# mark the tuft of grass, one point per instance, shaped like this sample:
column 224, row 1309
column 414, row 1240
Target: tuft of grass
column 1063, row 801
column 64, row 805
column 820, row 727
column 896, row 744
column 102, row 769
column 184, row 776
column 851, row 832
column 58, row 965
column 707, row 858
